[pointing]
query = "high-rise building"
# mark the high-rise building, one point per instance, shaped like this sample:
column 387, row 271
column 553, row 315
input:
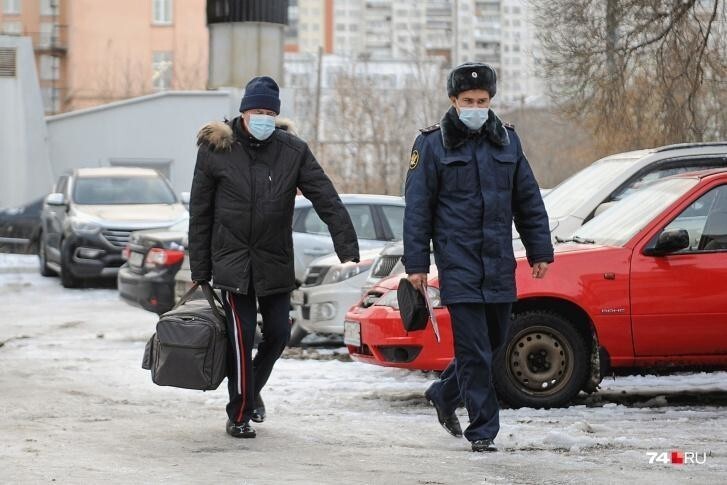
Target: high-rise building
column 310, row 26
column 498, row 32
column 90, row 52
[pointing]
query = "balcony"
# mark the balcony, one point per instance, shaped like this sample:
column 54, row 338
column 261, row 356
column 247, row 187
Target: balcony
column 53, row 43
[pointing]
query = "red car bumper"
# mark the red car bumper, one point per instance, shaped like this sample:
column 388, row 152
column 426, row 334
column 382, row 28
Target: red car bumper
column 385, row 342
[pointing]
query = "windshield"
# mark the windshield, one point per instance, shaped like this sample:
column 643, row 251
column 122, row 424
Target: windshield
column 573, row 192
column 122, row 190
column 625, row 218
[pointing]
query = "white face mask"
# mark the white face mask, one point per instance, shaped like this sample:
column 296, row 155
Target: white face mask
column 474, row 118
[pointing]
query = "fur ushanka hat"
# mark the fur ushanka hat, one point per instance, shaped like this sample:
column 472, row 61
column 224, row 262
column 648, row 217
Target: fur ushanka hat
column 472, row 75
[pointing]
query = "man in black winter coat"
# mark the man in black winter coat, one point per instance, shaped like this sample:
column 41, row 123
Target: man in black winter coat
column 240, row 235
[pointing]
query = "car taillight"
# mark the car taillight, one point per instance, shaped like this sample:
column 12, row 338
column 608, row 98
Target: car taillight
column 126, row 253
column 158, row 257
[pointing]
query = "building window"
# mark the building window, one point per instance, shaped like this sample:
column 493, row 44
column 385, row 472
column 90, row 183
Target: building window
column 49, row 7
column 51, row 99
column 11, row 7
column 49, row 68
column 12, row 28
column 48, row 35
column 162, row 11
column 162, row 70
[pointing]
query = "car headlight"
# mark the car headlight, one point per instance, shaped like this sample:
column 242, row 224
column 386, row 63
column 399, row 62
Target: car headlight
column 84, row 226
column 344, row 271
column 390, row 299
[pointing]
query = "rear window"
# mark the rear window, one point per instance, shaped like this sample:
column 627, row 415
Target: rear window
column 122, row 190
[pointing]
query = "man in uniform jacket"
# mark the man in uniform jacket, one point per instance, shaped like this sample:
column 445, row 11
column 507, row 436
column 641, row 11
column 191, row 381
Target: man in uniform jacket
column 240, row 235
column 468, row 180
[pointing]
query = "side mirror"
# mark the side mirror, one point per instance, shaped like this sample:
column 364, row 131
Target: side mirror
column 185, row 196
column 55, row 199
column 670, row 242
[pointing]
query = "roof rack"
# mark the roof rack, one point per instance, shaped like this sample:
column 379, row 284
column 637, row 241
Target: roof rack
column 691, row 145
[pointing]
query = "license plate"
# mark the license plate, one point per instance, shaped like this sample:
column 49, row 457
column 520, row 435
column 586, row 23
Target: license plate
column 352, row 333
column 136, row 259
column 297, row 297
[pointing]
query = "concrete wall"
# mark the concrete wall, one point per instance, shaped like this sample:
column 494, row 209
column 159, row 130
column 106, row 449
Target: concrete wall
column 25, row 171
column 155, row 131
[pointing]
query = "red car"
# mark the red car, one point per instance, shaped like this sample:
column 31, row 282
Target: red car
column 641, row 286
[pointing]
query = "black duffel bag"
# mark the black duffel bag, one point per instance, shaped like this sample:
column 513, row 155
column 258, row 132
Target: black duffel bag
column 189, row 348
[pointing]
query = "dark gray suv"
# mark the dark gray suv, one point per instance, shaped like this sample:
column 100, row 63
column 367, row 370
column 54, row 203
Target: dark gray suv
column 86, row 221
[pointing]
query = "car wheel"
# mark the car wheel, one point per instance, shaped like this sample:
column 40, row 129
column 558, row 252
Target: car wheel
column 544, row 362
column 43, row 258
column 297, row 334
column 67, row 278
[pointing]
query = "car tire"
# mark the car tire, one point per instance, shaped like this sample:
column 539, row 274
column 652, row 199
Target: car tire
column 67, row 278
column 43, row 258
column 544, row 362
column 297, row 334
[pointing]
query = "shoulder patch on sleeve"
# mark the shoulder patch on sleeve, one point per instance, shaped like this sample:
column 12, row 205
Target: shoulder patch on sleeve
column 430, row 129
column 509, row 125
column 414, row 161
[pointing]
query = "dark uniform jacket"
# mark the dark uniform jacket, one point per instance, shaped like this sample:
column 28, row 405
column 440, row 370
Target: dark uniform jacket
column 241, row 208
column 463, row 190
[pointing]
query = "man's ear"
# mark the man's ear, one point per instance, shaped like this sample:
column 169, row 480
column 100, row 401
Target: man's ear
column 453, row 99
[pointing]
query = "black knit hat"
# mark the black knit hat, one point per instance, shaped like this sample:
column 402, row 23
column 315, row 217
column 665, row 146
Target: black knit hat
column 472, row 75
column 261, row 93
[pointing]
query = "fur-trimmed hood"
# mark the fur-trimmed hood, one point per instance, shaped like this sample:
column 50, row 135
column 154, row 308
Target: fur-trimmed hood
column 219, row 135
column 455, row 133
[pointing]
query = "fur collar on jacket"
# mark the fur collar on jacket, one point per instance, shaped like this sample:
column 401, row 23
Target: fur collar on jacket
column 219, row 135
column 455, row 133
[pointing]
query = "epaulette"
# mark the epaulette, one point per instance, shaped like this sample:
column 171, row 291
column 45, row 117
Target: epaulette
column 430, row 129
column 509, row 125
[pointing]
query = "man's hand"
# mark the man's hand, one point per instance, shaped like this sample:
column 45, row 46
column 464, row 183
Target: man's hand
column 419, row 280
column 539, row 270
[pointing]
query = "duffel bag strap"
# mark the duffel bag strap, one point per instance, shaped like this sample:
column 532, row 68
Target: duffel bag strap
column 209, row 294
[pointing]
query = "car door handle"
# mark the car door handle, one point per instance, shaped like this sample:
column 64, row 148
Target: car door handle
column 315, row 252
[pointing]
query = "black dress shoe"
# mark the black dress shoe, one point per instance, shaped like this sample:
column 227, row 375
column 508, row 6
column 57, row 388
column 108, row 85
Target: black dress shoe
column 483, row 445
column 450, row 422
column 243, row 430
column 258, row 414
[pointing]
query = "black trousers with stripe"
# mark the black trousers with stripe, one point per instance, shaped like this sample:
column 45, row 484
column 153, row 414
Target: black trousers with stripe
column 247, row 376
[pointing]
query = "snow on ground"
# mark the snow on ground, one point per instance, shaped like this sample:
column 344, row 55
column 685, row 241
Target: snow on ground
column 75, row 407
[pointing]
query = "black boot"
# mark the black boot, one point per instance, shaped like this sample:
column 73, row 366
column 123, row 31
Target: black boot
column 243, row 430
column 483, row 445
column 258, row 414
column 450, row 422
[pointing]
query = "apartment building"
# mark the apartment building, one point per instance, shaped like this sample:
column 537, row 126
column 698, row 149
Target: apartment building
column 90, row 52
column 499, row 32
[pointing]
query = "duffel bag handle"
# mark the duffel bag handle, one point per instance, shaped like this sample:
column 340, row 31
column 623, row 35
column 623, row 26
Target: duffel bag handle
column 209, row 294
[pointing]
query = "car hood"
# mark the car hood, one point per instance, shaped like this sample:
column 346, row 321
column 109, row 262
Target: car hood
column 566, row 248
column 332, row 259
column 552, row 226
column 138, row 215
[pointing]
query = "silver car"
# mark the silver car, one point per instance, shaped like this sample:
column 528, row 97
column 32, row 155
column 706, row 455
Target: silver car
column 595, row 188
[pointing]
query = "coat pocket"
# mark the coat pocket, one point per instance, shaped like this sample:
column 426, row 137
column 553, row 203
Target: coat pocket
column 459, row 174
column 505, row 168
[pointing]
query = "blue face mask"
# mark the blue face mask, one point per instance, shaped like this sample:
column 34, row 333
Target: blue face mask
column 473, row 118
column 261, row 126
